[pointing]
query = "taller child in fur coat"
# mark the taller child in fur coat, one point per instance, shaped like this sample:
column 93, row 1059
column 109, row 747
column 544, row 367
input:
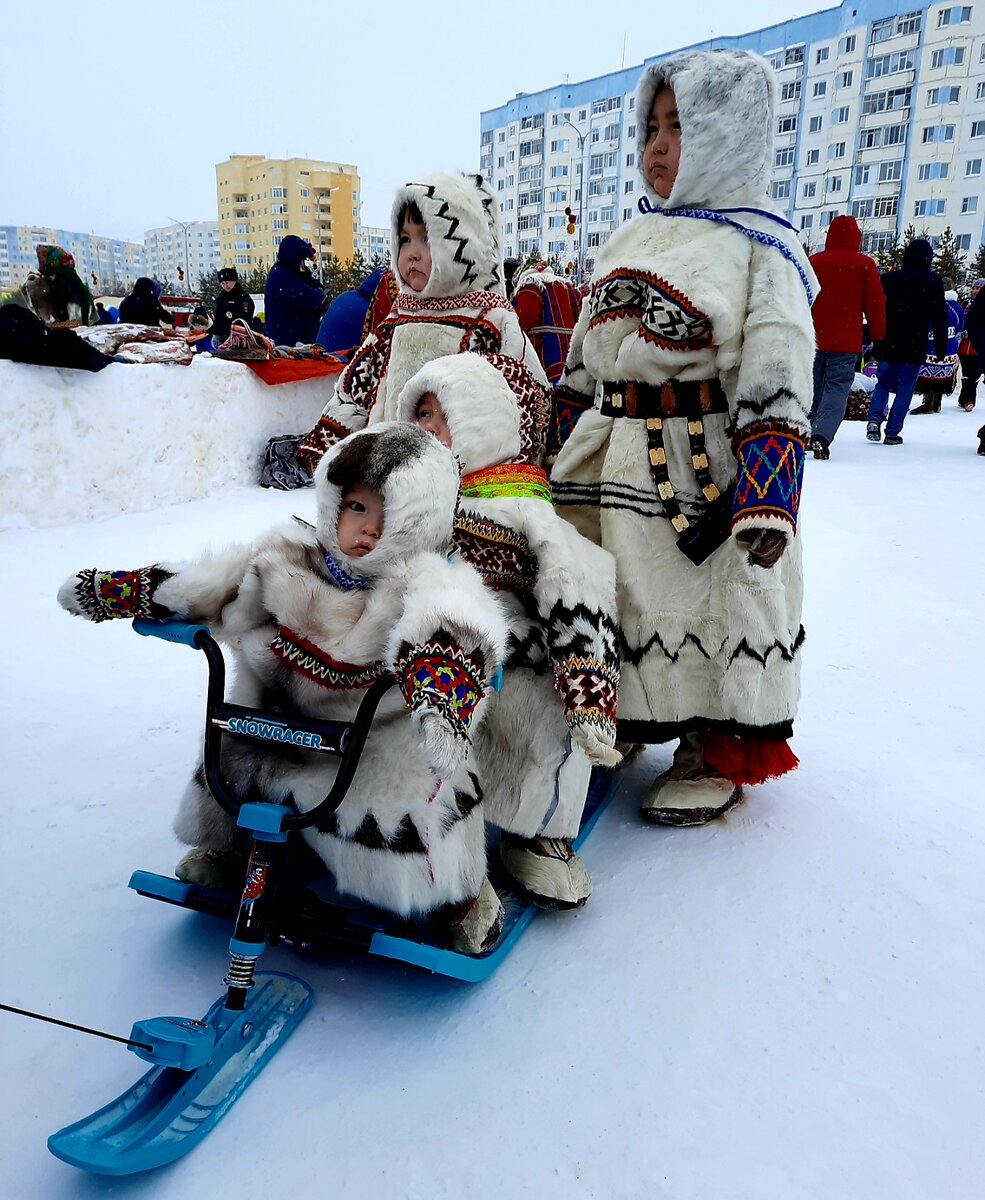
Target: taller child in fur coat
column 690, row 377
column 555, row 714
column 312, row 617
column 445, row 247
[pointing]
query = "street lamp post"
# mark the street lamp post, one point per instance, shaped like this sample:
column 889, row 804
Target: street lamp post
column 184, row 233
column 581, row 197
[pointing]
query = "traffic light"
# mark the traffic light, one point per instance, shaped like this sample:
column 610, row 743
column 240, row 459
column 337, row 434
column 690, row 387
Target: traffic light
column 571, row 220
column 181, row 274
column 95, row 278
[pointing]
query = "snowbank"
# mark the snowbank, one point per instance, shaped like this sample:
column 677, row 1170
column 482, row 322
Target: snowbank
column 78, row 446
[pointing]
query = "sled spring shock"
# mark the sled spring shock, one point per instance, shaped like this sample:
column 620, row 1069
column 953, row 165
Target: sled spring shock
column 239, row 980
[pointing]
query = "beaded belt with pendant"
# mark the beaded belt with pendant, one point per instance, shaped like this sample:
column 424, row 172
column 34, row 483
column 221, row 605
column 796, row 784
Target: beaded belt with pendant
column 691, row 400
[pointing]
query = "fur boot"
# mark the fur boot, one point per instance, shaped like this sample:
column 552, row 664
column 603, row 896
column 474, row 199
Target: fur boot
column 547, row 869
column 689, row 792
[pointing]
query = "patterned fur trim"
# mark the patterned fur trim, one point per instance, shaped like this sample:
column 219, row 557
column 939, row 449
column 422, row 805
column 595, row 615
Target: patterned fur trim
column 443, row 676
column 316, row 664
column 109, row 595
column 588, row 689
column 409, row 302
column 770, row 474
column 508, row 481
column 500, row 554
column 326, row 434
column 667, row 317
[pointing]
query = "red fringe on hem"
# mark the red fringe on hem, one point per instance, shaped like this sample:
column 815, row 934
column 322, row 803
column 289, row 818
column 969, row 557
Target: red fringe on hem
column 747, row 760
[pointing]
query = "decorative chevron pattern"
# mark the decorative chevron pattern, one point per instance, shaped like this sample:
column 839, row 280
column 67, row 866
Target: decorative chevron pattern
column 634, row 655
column 110, row 595
column 442, row 675
column 770, row 474
column 534, row 401
column 460, row 255
column 501, row 555
column 581, row 632
column 667, row 317
column 406, row 838
column 410, row 302
column 316, row 664
column 588, row 689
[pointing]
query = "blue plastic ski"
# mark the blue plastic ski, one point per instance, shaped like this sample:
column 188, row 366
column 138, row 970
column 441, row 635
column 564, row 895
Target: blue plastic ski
column 170, row 1110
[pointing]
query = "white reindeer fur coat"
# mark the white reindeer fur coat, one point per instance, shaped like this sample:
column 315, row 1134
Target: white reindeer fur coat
column 409, row 836
column 559, row 688
column 462, row 307
column 677, row 298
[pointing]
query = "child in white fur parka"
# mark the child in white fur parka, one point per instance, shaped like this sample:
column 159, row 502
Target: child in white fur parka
column 555, row 714
column 446, row 253
column 690, row 379
column 312, row 616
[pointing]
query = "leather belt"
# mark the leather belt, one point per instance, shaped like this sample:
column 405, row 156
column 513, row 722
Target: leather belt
column 692, row 398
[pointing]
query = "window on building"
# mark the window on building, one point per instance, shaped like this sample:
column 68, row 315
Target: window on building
column 820, row 89
column 807, row 220
column 813, row 157
column 861, row 176
column 868, row 139
column 973, row 168
column 501, row 161
column 582, row 113
column 969, row 204
column 832, row 183
column 840, row 115
column 508, row 204
column 893, row 135
column 627, row 187
column 887, row 206
column 790, row 91
column 847, row 45
column 836, row 150
column 781, row 189
column 784, row 158
column 511, row 156
column 932, row 171
column 630, row 160
column 889, row 64
column 560, row 172
column 502, row 135
column 943, row 95
column 596, row 135
column 980, row 91
column 928, row 208
column 280, row 223
column 822, row 56
column 954, row 16
column 844, row 79
column 560, row 146
column 612, row 132
column 631, row 131
column 891, row 172
column 891, row 101
column 793, row 56
column 786, row 125
column 815, row 125
column 964, row 242
column 938, row 133
column 557, row 221
column 949, row 56
column 881, row 30
column 278, row 208
column 909, row 22
column 827, row 217
column 977, row 129
column 863, row 208
column 559, row 196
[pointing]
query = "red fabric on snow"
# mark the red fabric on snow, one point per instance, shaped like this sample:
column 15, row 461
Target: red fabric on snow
column 850, row 287
column 290, row 370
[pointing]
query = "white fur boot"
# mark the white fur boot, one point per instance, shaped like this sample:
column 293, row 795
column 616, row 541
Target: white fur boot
column 547, row 869
column 476, row 925
column 689, row 793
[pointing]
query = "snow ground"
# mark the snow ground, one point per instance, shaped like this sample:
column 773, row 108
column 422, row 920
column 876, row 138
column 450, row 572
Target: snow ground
column 781, row 1006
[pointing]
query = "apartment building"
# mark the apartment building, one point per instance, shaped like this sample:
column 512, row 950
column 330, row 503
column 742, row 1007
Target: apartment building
column 106, row 264
column 373, row 242
column 881, row 114
column 186, row 247
column 262, row 200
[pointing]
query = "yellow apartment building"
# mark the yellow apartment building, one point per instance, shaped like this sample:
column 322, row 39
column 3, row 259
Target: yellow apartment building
column 261, row 200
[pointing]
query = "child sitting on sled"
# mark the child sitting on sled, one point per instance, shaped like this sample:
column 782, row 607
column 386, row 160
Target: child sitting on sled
column 555, row 715
column 312, row 617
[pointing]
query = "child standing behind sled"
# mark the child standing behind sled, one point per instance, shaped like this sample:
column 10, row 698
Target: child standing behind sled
column 555, row 714
column 690, row 378
column 449, row 265
column 312, row 616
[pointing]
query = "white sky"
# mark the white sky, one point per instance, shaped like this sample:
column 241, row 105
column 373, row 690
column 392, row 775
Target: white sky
column 114, row 117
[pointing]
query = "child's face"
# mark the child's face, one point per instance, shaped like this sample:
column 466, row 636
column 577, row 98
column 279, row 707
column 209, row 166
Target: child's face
column 431, row 418
column 662, row 155
column 414, row 255
column 360, row 520
column 227, row 285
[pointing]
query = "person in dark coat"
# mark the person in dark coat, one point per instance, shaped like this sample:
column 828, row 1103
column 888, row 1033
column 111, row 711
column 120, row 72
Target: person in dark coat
column 974, row 327
column 972, row 363
column 914, row 302
column 851, row 293
column 143, row 305
column 293, row 301
column 341, row 328
column 232, row 304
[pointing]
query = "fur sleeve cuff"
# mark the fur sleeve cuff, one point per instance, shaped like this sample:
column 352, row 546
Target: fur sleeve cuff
column 770, row 462
column 588, row 690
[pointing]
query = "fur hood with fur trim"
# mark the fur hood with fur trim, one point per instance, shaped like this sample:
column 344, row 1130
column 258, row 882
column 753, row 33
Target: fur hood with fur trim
column 461, row 214
column 725, row 102
column 418, row 479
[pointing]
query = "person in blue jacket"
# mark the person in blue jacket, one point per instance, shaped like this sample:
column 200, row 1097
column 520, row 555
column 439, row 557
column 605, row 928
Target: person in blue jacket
column 341, row 329
column 293, row 301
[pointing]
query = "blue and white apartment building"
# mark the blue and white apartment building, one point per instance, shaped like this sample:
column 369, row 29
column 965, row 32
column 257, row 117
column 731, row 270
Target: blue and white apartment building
column 881, row 114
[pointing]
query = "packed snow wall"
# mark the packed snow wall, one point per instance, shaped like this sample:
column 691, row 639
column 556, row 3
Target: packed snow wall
column 77, row 446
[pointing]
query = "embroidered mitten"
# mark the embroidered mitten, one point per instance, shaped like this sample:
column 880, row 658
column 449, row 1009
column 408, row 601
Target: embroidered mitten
column 588, row 690
column 106, row 595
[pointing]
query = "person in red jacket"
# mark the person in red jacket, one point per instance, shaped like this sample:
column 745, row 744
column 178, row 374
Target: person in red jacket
column 850, row 293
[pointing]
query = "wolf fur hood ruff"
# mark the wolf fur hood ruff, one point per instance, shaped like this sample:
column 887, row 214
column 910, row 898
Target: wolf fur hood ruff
column 308, row 635
column 688, row 382
column 555, row 714
column 462, row 307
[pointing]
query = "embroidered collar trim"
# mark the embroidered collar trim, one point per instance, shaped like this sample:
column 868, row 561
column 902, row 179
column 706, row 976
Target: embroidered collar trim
column 507, row 481
column 347, row 582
